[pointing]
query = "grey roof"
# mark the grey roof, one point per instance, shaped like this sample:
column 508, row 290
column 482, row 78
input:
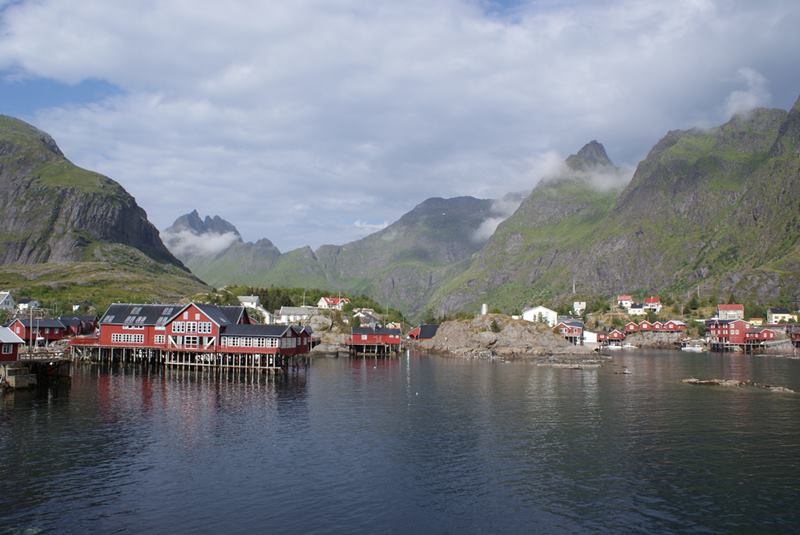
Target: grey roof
column 215, row 314
column 269, row 331
column 234, row 313
column 87, row 318
column 44, row 324
column 428, row 330
column 379, row 330
column 70, row 321
column 779, row 310
column 297, row 311
column 7, row 336
column 573, row 323
column 134, row 314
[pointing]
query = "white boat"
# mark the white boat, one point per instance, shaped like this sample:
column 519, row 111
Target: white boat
column 693, row 346
column 613, row 347
column 629, row 346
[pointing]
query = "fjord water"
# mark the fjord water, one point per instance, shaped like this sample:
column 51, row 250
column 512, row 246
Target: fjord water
column 415, row 444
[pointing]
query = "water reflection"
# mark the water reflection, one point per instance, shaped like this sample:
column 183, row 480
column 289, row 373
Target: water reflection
column 416, row 443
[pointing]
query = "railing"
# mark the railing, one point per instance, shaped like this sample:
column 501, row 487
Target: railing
column 42, row 354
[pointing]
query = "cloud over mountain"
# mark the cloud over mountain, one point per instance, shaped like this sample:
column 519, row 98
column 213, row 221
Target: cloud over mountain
column 310, row 115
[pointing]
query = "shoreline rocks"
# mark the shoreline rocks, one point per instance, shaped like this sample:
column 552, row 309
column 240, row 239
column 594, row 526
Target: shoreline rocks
column 496, row 336
column 737, row 383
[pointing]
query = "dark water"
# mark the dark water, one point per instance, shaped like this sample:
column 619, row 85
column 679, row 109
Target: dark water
column 419, row 444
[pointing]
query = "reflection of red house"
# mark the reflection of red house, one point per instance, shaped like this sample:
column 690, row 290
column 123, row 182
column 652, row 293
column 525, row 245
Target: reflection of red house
column 9, row 345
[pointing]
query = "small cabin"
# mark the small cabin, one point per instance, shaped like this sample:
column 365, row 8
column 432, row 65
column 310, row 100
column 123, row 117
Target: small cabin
column 9, row 345
column 426, row 331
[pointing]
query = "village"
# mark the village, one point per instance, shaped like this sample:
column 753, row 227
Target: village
column 248, row 336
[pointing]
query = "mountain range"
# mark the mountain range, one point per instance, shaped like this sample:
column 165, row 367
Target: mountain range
column 712, row 210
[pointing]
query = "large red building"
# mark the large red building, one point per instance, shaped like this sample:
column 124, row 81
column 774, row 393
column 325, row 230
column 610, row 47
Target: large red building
column 197, row 328
column 367, row 336
column 736, row 332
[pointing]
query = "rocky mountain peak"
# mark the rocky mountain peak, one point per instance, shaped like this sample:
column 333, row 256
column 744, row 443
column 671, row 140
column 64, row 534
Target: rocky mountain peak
column 197, row 225
column 591, row 156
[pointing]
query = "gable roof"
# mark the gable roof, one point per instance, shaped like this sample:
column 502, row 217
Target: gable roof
column 652, row 300
column 624, row 297
column 44, row 324
column 297, row 311
column 70, row 321
column 234, row 313
column 136, row 314
column 428, row 330
column 7, row 336
column 779, row 311
column 730, row 307
column 335, row 300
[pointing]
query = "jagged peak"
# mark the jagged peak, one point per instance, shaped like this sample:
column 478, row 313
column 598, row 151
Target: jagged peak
column 591, row 156
column 197, row 225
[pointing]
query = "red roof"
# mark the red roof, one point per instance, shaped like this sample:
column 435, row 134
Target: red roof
column 336, row 300
column 731, row 307
column 652, row 300
column 624, row 298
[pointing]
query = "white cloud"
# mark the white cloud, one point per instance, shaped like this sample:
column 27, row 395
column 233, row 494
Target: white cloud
column 185, row 242
column 756, row 94
column 312, row 115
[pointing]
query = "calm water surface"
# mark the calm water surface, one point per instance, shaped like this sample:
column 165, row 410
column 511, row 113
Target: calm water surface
column 417, row 444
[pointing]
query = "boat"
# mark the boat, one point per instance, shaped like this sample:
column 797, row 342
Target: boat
column 613, row 347
column 629, row 346
column 694, row 346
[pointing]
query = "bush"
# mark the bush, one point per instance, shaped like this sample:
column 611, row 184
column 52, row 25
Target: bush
column 494, row 326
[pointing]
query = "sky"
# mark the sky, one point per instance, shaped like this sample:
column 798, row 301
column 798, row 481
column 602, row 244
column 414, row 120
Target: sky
column 311, row 122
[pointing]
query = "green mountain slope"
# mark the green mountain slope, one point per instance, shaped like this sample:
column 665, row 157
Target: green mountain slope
column 84, row 227
column 712, row 208
column 400, row 265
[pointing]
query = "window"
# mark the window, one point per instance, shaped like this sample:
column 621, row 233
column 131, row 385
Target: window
column 7, row 349
column 363, row 336
column 197, row 317
column 190, row 340
column 160, row 339
column 191, row 326
column 204, row 327
column 178, row 327
column 133, row 327
column 125, row 338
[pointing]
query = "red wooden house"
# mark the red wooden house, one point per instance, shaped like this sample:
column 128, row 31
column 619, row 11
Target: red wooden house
column 674, row 326
column 9, row 345
column 658, row 326
column 367, row 336
column 631, row 327
column 645, row 326
column 426, row 331
column 38, row 331
column 571, row 330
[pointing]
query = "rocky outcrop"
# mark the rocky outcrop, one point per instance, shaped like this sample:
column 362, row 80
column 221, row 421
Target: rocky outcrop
column 53, row 211
column 655, row 340
column 499, row 336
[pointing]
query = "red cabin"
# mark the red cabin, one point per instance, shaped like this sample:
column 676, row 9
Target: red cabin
column 43, row 331
column 426, row 331
column 658, row 326
column 9, row 345
column 674, row 326
column 631, row 327
column 366, row 336
column 645, row 326
column 616, row 334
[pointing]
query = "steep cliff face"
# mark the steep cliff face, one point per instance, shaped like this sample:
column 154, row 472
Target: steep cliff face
column 53, row 211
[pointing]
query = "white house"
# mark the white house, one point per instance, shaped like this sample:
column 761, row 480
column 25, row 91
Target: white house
column 625, row 301
column 288, row 315
column 777, row 315
column 249, row 301
column 636, row 309
column 334, row 303
column 7, row 301
column 578, row 307
column 589, row 337
column 23, row 305
column 653, row 303
column 541, row 314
